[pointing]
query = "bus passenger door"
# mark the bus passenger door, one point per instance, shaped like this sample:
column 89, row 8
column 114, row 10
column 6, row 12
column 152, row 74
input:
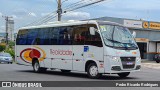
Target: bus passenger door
column 78, row 45
column 78, row 61
column 61, row 50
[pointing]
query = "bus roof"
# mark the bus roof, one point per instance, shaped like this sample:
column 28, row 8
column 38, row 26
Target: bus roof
column 69, row 23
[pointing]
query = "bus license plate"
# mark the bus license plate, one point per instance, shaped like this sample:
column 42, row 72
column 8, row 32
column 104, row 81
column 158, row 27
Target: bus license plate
column 129, row 63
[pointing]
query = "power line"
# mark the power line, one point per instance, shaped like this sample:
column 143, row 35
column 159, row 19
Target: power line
column 43, row 18
column 64, row 1
column 85, row 5
column 74, row 6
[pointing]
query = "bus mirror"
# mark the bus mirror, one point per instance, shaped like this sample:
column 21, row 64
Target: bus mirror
column 92, row 30
column 134, row 34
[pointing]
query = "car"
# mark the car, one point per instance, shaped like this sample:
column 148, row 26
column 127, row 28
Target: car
column 157, row 58
column 6, row 58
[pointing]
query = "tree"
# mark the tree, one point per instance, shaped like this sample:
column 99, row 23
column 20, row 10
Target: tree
column 11, row 44
column 2, row 48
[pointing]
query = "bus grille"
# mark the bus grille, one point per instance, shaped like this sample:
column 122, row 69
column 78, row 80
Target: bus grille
column 128, row 62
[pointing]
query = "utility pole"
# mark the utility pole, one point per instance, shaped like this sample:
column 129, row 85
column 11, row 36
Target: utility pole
column 7, row 19
column 59, row 11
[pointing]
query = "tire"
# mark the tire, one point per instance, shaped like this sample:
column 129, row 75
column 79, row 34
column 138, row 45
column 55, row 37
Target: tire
column 123, row 75
column 158, row 61
column 92, row 71
column 65, row 71
column 37, row 68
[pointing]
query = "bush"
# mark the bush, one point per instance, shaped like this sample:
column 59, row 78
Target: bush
column 2, row 48
column 11, row 52
column 10, row 49
column 11, row 44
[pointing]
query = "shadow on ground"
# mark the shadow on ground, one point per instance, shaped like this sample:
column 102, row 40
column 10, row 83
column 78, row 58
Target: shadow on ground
column 81, row 75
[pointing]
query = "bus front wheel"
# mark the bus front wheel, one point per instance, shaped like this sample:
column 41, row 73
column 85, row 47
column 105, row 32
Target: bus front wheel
column 37, row 68
column 123, row 75
column 92, row 71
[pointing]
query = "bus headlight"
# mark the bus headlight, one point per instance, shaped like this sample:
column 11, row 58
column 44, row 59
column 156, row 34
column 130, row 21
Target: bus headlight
column 116, row 59
column 138, row 59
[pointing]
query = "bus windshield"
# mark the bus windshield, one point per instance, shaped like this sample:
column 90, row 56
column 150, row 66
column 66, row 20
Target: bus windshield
column 118, row 37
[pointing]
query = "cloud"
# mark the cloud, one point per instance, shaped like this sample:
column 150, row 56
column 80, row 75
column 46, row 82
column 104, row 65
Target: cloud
column 23, row 12
column 76, row 16
column 32, row 14
column 132, row 5
column 44, row 14
column 0, row 14
column 14, row 16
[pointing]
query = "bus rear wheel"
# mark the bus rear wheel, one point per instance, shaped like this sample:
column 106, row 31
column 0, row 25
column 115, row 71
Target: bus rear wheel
column 123, row 75
column 37, row 68
column 92, row 71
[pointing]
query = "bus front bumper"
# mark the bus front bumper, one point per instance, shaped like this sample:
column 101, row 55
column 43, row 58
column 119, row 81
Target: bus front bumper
column 118, row 69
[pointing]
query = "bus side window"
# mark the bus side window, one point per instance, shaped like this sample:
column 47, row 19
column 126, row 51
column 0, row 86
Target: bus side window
column 62, row 36
column 69, row 36
column 37, row 41
column 78, row 34
column 22, row 37
column 54, row 36
column 32, row 35
column 94, row 40
column 65, row 36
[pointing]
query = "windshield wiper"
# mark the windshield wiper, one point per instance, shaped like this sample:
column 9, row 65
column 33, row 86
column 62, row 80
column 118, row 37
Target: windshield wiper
column 113, row 40
column 123, row 45
column 132, row 44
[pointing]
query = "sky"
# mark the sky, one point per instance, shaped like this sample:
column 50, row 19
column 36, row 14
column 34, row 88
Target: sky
column 25, row 12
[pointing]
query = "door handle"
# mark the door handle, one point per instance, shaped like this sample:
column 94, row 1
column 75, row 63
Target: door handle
column 73, row 54
column 62, row 59
column 77, row 60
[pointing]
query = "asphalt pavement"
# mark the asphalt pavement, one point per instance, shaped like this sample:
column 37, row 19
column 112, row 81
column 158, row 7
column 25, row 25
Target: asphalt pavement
column 150, row 71
column 14, row 72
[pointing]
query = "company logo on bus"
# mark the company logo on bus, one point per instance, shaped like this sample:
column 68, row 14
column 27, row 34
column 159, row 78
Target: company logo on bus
column 61, row 52
column 35, row 52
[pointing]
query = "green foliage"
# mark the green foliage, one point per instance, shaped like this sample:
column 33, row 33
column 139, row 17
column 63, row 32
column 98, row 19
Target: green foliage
column 11, row 44
column 11, row 52
column 2, row 48
column 10, row 48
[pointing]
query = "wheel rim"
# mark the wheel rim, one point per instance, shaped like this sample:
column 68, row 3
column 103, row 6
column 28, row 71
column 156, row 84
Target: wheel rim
column 93, row 71
column 36, row 66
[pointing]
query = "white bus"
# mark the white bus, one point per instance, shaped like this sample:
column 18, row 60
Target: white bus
column 95, row 47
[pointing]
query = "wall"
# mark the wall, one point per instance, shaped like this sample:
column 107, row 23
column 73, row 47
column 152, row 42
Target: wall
column 158, row 47
column 152, row 47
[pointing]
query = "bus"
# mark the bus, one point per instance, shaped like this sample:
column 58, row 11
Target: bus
column 93, row 47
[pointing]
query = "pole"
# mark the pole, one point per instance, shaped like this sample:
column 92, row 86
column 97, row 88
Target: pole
column 59, row 11
column 7, row 29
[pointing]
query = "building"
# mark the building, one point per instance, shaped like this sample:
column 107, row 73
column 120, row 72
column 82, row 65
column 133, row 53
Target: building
column 11, row 30
column 2, row 37
column 147, row 34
